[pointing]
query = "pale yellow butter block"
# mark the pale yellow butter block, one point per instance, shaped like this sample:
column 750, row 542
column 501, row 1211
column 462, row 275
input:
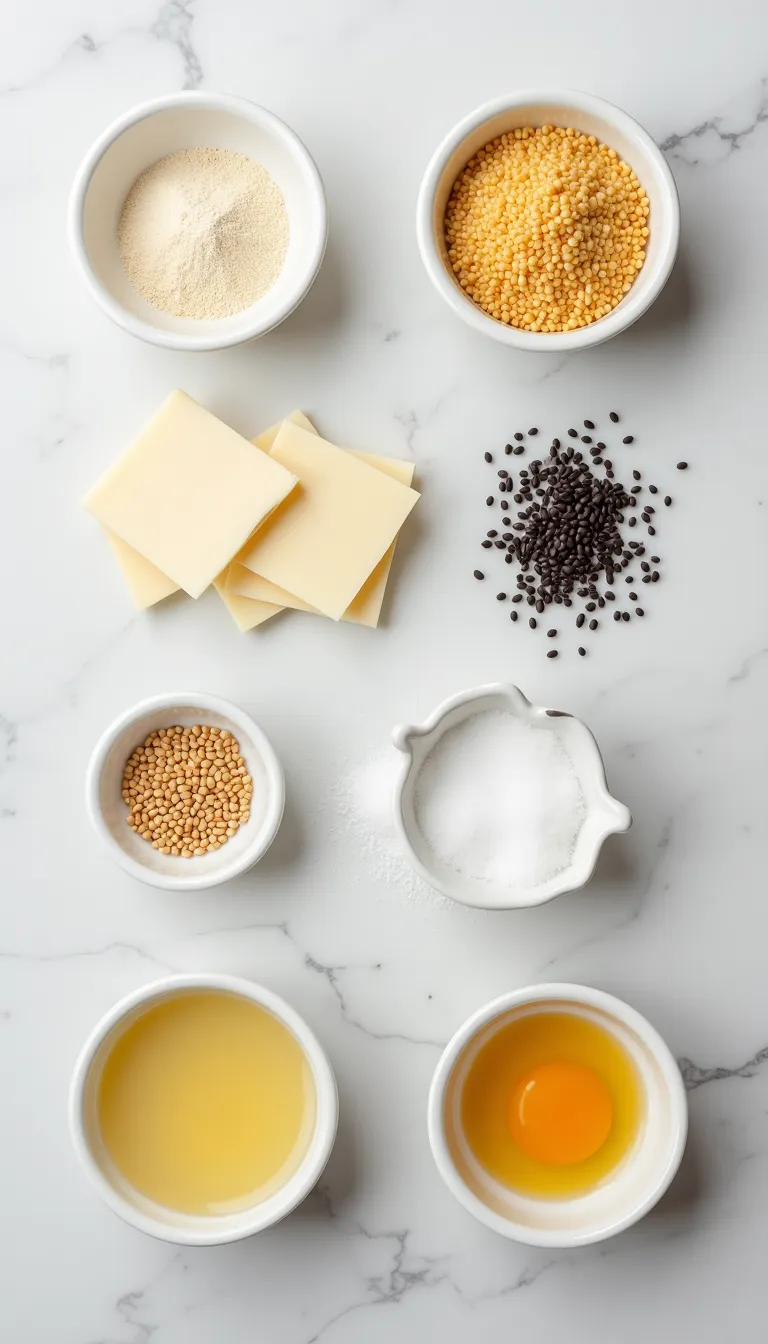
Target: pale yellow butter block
column 189, row 493
column 243, row 583
column 146, row 583
column 366, row 607
column 245, row 612
column 268, row 436
column 341, row 522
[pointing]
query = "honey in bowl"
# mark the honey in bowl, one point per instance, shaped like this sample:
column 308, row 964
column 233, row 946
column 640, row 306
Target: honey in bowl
column 206, row 1103
column 551, row 1104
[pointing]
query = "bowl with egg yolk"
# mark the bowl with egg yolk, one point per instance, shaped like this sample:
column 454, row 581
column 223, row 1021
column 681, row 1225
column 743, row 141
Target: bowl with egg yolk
column 557, row 1115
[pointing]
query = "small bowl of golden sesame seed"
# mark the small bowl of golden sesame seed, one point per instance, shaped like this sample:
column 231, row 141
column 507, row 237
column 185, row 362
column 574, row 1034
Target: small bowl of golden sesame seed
column 185, row 791
column 548, row 221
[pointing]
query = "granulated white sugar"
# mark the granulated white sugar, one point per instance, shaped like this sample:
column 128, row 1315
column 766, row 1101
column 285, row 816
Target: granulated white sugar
column 499, row 801
column 362, row 802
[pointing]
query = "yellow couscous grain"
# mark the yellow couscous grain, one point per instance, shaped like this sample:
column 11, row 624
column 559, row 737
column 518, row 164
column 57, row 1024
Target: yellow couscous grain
column 546, row 229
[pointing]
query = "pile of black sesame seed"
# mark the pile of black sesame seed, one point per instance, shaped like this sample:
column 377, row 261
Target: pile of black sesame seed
column 567, row 535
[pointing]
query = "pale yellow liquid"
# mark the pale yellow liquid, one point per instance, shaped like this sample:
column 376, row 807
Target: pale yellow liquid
column 206, row 1103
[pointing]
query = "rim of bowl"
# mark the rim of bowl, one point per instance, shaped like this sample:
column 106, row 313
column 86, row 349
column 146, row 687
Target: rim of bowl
column 262, row 839
column 621, row 317
column 322, row 1072
column 525, row 709
column 242, row 107
column 593, row 998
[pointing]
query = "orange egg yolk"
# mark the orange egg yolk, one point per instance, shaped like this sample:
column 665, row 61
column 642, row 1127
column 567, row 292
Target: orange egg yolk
column 560, row 1113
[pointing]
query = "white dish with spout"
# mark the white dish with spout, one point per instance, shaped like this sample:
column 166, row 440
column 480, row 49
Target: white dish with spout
column 604, row 814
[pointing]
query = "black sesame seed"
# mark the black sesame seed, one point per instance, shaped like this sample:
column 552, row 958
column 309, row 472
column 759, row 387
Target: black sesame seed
column 513, row 615
column 532, row 622
column 508, row 559
column 629, row 439
column 601, row 446
column 580, row 619
column 625, row 615
column 590, row 606
column 518, row 597
column 533, row 431
column 486, row 545
column 682, row 466
column 646, row 578
column 489, row 500
column 614, row 417
column 501, row 597
column 488, row 457
column 646, row 517
column 654, row 489
column 551, row 634
column 555, row 443
column 667, row 500
column 582, row 651
column 518, row 437
column 593, row 624
column 552, row 653
column 507, row 448
column 639, row 611
column 586, row 438
column 539, row 606
column 478, row 573
column 633, row 597
column 519, row 449
column 651, row 531
column 589, row 424
column 655, row 576
column 506, row 521
column 598, row 461
column 617, row 615
column 574, row 433
column 503, row 475
column 655, row 560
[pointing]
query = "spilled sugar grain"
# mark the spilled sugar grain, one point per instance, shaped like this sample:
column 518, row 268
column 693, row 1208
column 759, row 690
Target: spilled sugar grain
column 362, row 804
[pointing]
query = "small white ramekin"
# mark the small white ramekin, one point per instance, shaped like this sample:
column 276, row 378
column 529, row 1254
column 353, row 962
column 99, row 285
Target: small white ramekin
column 185, row 121
column 107, row 811
column 605, row 815
column 629, row 1192
column 130, row 1205
column 551, row 107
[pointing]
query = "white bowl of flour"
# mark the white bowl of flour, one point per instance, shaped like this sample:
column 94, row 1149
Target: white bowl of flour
column 503, row 804
column 198, row 221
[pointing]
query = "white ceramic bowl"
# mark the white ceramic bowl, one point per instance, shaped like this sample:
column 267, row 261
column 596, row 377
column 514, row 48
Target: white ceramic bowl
column 628, row 1192
column 143, row 1213
column 604, row 814
column 546, row 107
column 107, row 811
column 185, row 121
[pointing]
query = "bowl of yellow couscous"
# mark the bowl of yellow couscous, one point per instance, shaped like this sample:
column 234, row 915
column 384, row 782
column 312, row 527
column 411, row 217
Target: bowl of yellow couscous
column 548, row 220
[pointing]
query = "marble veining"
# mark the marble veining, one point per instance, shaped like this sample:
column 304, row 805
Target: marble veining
column 674, row 919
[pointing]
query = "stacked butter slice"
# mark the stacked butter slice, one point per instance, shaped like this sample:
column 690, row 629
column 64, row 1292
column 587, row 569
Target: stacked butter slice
column 288, row 520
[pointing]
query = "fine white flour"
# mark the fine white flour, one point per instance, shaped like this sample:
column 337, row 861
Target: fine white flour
column 203, row 233
column 500, row 801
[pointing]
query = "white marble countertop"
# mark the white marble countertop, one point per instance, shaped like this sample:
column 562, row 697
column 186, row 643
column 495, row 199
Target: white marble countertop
column 675, row 919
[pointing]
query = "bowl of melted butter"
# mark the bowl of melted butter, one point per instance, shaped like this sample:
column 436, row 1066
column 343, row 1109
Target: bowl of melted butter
column 557, row 1115
column 203, row 1109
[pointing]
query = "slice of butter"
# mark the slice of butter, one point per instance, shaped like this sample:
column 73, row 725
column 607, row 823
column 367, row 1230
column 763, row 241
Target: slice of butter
column 245, row 612
column 189, row 493
column 366, row 607
column 341, row 521
column 146, row 583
